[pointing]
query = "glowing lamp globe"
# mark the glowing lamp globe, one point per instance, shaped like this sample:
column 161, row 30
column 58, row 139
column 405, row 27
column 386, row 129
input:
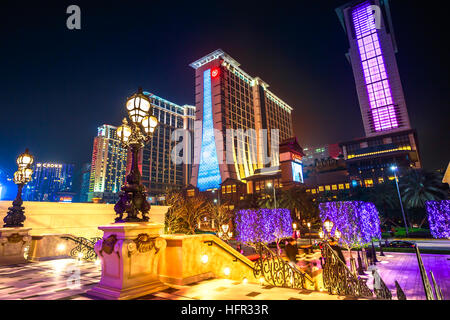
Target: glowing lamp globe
column 321, row 234
column 337, row 234
column 25, row 159
column 150, row 124
column 138, row 107
column 27, row 173
column 124, row 131
column 328, row 224
column 225, row 228
column 18, row 177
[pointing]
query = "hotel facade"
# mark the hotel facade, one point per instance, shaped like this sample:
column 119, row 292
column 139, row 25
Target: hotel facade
column 228, row 100
column 159, row 171
column 108, row 166
column 50, row 182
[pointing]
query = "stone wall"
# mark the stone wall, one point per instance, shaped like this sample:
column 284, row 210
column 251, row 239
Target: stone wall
column 181, row 263
column 78, row 219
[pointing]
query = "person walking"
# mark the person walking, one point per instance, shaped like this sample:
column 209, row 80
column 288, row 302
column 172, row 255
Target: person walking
column 291, row 250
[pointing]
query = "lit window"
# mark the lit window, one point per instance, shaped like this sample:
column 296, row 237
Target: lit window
column 328, row 188
column 234, row 188
column 313, row 191
column 334, row 187
column 380, row 180
column 321, row 189
column 368, row 183
column 347, row 186
column 341, row 186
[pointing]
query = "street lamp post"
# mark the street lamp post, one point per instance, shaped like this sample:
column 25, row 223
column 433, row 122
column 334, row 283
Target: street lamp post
column 394, row 169
column 134, row 134
column 309, row 233
column 15, row 216
column 274, row 194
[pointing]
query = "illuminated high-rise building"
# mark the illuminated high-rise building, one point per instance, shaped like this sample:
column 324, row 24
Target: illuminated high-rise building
column 227, row 98
column 370, row 33
column 159, row 171
column 389, row 139
column 108, row 166
column 50, row 182
column 85, row 180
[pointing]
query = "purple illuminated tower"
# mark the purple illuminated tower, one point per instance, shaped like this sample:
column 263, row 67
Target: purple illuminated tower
column 372, row 52
column 389, row 139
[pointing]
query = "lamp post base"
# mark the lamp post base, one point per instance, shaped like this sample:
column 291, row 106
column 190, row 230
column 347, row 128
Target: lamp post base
column 129, row 255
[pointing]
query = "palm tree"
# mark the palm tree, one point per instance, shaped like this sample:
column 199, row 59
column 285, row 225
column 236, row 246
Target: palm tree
column 420, row 186
column 250, row 201
column 300, row 203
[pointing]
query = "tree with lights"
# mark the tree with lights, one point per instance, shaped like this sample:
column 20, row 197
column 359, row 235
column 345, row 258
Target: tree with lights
column 356, row 222
column 439, row 218
column 263, row 225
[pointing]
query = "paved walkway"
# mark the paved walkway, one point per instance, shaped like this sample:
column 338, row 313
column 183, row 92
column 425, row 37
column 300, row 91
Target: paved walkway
column 69, row 279
column 404, row 268
column 52, row 280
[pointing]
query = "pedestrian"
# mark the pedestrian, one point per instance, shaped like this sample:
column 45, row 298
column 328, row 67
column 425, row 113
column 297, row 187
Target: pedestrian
column 291, row 250
column 334, row 245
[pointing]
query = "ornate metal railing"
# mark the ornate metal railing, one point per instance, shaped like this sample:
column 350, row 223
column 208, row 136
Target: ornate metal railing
column 84, row 248
column 338, row 278
column 384, row 293
column 400, row 294
column 277, row 271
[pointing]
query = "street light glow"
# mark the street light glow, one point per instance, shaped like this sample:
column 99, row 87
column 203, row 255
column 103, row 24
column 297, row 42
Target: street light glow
column 394, row 168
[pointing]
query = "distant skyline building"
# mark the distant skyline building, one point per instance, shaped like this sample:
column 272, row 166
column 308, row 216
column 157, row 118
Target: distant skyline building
column 313, row 153
column 389, row 140
column 227, row 98
column 85, row 179
column 370, row 33
column 159, row 172
column 50, row 182
column 108, row 166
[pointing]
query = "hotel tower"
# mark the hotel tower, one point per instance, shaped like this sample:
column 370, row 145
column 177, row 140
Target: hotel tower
column 229, row 99
column 390, row 139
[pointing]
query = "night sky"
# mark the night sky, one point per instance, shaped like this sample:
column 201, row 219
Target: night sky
column 58, row 85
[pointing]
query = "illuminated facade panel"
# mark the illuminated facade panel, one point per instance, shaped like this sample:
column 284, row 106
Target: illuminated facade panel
column 208, row 172
column 372, row 52
column 378, row 88
column 297, row 172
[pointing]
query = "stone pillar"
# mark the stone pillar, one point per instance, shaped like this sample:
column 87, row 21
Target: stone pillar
column 14, row 243
column 129, row 254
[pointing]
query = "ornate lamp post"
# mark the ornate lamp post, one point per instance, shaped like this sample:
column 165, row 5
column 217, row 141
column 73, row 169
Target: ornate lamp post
column 15, row 216
column 270, row 185
column 309, row 233
column 134, row 133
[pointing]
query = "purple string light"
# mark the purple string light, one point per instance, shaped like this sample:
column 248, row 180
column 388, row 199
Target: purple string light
column 439, row 218
column 357, row 221
column 263, row 225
